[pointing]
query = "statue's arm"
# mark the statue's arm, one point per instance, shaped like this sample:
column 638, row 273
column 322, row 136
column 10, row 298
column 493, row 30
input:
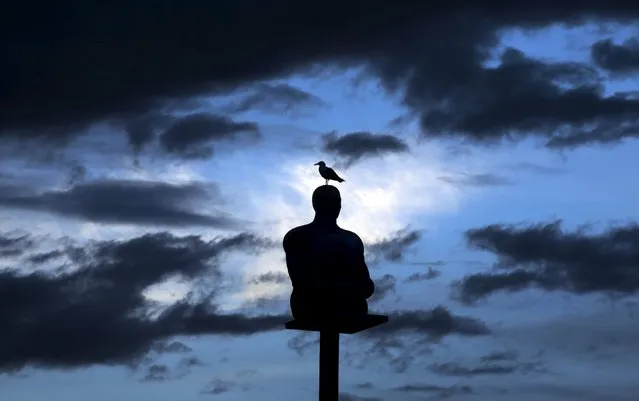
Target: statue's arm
column 296, row 263
column 368, row 287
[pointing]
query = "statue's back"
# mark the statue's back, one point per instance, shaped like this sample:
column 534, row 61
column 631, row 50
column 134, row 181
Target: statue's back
column 328, row 271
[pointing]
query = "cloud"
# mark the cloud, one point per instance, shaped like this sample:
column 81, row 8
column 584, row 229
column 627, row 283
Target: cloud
column 372, row 205
column 394, row 247
column 271, row 277
column 454, row 369
column 546, row 256
column 219, row 386
column 157, row 373
column 484, row 368
column 126, row 202
column 44, row 257
column 190, row 136
column 436, row 323
column 619, row 59
column 431, row 274
column 143, row 129
column 384, row 286
column 171, row 347
column 563, row 103
column 77, row 174
column 275, row 98
column 189, row 362
column 14, row 244
column 430, row 325
column 355, row 146
column 354, row 397
column 441, row 391
column 450, row 89
column 494, row 363
column 477, row 180
column 93, row 310
column 499, row 356
column 535, row 168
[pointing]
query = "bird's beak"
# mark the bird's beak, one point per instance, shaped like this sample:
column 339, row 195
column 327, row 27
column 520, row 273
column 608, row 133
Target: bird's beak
column 316, row 164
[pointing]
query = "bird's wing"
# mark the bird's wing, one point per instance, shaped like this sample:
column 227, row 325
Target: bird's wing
column 331, row 174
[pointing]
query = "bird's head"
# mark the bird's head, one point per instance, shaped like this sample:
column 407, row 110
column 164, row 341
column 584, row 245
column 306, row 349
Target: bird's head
column 320, row 163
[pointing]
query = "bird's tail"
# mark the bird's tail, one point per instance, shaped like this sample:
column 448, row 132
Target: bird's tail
column 341, row 180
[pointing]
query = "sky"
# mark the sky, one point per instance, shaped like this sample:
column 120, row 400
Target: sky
column 152, row 157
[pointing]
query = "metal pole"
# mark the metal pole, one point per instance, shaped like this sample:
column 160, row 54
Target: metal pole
column 329, row 366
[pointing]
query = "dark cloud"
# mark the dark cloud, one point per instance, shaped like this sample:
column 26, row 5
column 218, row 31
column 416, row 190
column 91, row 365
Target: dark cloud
column 499, row 356
column 247, row 373
column 563, row 103
column 54, row 86
column 394, row 247
column 302, row 342
column 485, row 368
column 157, row 373
column 354, row 397
column 477, row 180
column 441, row 391
column 94, row 312
column 353, row 147
column 477, row 286
column 409, row 337
column 219, row 386
column 435, row 323
column 397, row 352
column 275, row 98
column 183, row 368
column 270, row 303
column 44, row 257
column 432, row 325
column 271, row 277
column 190, row 137
column 430, row 263
column 125, row 202
column 171, row 347
column 14, row 244
column 431, row 274
column 190, row 361
column 143, row 129
column 384, row 286
column 548, row 257
column 454, row 369
column 77, row 174
column 619, row 59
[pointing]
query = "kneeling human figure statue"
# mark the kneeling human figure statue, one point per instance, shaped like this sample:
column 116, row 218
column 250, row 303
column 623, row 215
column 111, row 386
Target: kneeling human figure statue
column 326, row 264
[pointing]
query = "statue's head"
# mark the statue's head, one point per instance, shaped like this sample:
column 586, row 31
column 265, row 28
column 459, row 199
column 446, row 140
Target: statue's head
column 327, row 202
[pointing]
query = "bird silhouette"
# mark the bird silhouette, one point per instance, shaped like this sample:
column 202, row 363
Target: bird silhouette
column 328, row 173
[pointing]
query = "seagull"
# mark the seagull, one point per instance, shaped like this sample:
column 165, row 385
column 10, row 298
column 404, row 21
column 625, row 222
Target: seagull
column 328, row 173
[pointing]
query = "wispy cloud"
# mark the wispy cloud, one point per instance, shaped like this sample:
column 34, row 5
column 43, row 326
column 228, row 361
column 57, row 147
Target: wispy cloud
column 355, row 146
column 125, row 201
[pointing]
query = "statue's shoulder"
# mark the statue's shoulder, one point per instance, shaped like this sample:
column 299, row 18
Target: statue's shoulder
column 350, row 234
column 353, row 238
column 297, row 231
column 294, row 235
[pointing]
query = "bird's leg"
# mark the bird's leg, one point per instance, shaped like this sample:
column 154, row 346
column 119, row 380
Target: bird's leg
column 326, row 182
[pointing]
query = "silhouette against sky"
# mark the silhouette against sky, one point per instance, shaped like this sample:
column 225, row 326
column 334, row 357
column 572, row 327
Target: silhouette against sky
column 326, row 264
column 153, row 157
